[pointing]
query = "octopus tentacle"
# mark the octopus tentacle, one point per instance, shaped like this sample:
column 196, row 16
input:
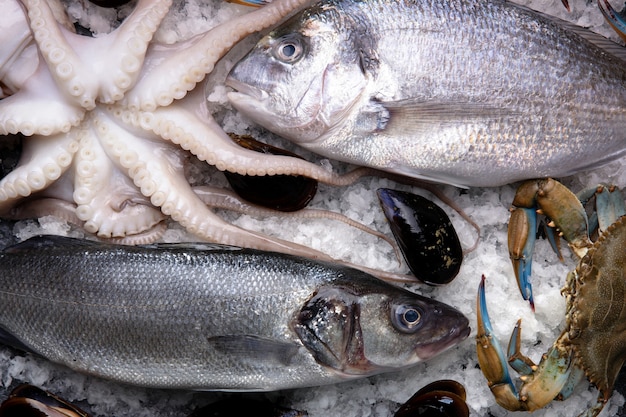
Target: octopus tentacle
column 61, row 209
column 228, row 200
column 74, row 73
column 163, row 181
column 43, row 162
column 106, row 202
column 206, row 140
column 14, row 38
column 65, row 65
column 127, row 47
column 38, row 107
column 197, row 58
column 144, row 238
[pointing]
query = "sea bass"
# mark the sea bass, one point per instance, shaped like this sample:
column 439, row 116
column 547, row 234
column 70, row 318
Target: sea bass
column 465, row 92
column 209, row 317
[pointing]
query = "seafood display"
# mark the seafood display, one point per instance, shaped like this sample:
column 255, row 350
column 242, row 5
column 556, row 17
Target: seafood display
column 592, row 343
column 190, row 23
column 205, row 317
column 434, row 93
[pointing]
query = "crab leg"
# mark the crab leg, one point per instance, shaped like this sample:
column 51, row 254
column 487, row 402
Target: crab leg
column 554, row 376
column 491, row 356
column 521, row 240
column 567, row 214
column 610, row 206
column 616, row 19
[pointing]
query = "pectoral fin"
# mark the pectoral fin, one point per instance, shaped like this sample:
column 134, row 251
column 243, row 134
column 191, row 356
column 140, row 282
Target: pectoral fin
column 255, row 349
column 415, row 116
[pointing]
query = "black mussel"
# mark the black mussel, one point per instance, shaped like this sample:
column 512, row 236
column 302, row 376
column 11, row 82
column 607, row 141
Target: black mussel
column 236, row 407
column 445, row 398
column 447, row 385
column 278, row 192
column 109, row 3
column 425, row 235
column 30, row 401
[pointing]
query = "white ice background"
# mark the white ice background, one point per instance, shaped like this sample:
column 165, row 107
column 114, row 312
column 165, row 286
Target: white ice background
column 381, row 395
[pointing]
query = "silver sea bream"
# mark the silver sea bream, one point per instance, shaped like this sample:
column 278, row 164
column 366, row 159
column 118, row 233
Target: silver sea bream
column 465, row 92
column 208, row 317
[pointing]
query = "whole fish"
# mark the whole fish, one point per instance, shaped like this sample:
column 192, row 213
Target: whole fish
column 465, row 92
column 208, row 317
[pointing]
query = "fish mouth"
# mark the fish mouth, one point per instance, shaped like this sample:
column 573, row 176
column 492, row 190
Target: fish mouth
column 244, row 91
column 454, row 336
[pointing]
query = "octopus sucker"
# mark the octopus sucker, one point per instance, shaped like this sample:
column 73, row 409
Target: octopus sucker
column 37, row 169
column 73, row 66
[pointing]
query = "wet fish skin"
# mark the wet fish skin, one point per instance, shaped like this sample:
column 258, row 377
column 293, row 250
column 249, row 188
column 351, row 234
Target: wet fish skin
column 209, row 317
column 466, row 92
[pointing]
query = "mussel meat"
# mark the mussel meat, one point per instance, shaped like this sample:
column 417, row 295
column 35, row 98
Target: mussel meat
column 278, row 192
column 425, row 235
column 444, row 398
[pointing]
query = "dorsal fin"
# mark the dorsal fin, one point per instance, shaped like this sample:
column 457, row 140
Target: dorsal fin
column 602, row 42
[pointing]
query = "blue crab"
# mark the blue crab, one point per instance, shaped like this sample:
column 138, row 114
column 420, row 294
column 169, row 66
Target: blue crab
column 593, row 343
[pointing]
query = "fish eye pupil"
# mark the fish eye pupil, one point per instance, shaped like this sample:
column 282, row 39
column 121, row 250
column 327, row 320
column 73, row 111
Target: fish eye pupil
column 411, row 316
column 289, row 50
column 406, row 318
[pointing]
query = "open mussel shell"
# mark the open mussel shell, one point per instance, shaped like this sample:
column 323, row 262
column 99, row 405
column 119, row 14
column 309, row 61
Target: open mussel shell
column 425, row 235
column 445, row 398
column 278, row 192
column 30, row 401
column 239, row 407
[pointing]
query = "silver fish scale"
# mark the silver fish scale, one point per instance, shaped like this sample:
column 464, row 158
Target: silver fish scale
column 200, row 316
column 146, row 318
column 553, row 89
column 468, row 92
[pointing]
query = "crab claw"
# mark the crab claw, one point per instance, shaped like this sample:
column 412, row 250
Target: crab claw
column 566, row 212
column 554, row 376
column 491, row 357
column 616, row 19
column 566, row 4
column 521, row 239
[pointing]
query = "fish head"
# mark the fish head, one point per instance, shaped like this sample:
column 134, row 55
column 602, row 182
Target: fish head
column 301, row 79
column 372, row 327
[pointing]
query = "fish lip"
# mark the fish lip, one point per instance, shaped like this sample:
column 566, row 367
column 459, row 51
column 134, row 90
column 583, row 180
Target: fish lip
column 456, row 335
column 243, row 89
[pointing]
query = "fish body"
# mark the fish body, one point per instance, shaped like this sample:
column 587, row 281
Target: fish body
column 207, row 317
column 465, row 92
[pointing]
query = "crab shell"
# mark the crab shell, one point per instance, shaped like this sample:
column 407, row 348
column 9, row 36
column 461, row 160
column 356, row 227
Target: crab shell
column 596, row 308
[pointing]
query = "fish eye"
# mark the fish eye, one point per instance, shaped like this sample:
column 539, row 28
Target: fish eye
column 406, row 318
column 289, row 49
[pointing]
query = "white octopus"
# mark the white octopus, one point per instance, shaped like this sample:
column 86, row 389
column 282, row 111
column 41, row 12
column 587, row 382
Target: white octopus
column 107, row 118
